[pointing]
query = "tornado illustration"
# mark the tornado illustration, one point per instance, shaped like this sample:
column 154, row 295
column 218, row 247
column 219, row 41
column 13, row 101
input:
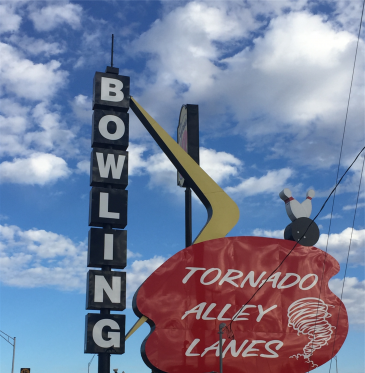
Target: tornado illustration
column 308, row 317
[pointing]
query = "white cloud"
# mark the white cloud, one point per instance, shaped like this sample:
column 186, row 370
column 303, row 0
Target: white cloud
column 136, row 163
column 35, row 46
column 9, row 21
column 39, row 168
column 139, row 271
column 52, row 16
column 272, row 183
column 83, row 167
column 269, row 233
column 37, row 258
column 41, row 129
column 352, row 207
column 27, row 79
column 13, row 125
column 81, row 106
column 347, row 14
column 287, row 89
column 353, row 297
column 328, row 216
column 338, row 245
column 53, row 134
column 161, row 172
column 220, row 166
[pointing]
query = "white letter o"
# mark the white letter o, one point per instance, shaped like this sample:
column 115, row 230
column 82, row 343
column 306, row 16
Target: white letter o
column 311, row 285
column 103, row 127
column 206, row 273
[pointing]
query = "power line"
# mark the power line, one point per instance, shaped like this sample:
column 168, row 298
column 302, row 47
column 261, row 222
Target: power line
column 338, row 170
column 229, row 327
column 347, row 260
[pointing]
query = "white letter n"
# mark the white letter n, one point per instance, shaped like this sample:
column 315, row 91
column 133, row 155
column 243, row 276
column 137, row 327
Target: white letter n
column 101, row 285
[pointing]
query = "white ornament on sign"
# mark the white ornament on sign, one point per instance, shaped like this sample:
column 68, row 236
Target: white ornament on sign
column 308, row 317
column 294, row 209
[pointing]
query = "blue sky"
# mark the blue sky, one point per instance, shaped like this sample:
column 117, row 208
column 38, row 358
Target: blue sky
column 271, row 79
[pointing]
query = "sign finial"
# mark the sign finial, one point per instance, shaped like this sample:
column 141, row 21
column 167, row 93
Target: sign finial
column 112, row 52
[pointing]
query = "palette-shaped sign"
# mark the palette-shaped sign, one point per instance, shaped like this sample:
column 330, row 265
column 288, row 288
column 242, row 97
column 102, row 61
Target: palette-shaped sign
column 293, row 324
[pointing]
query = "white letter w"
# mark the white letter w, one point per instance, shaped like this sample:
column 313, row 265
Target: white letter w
column 110, row 164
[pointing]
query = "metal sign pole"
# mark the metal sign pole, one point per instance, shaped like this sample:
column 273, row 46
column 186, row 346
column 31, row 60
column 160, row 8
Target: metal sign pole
column 7, row 339
column 12, row 367
column 188, row 218
column 188, row 139
column 221, row 327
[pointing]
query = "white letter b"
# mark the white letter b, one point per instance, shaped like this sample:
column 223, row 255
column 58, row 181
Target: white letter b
column 111, row 89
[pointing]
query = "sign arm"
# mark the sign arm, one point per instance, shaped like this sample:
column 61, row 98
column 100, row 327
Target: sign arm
column 223, row 213
column 141, row 321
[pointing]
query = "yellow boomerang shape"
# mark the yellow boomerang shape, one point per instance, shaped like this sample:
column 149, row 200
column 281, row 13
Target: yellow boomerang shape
column 223, row 213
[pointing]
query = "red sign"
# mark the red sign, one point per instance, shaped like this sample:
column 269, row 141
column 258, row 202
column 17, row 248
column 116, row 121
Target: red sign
column 286, row 327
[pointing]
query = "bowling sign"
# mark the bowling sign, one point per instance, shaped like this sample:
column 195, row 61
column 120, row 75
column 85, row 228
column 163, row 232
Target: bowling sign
column 289, row 326
column 106, row 289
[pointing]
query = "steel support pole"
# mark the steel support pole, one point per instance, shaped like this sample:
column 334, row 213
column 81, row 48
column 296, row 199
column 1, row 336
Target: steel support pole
column 188, row 218
column 12, row 367
column 104, row 363
column 104, row 358
column 221, row 327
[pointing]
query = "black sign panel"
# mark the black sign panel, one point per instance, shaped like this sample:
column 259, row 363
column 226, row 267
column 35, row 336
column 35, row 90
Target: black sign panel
column 110, row 127
column 107, row 247
column 111, row 91
column 108, row 206
column 104, row 334
column 188, row 135
column 109, row 167
column 106, row 289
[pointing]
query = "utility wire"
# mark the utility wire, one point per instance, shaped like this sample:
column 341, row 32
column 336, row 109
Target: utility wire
column 7, row 339
column 347, row 261
column 229, row 327
column 338, row 170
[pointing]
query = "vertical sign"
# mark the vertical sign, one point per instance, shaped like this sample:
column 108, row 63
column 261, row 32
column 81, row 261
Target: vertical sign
column 107, row 249
column 188, row 139
column 188, row 134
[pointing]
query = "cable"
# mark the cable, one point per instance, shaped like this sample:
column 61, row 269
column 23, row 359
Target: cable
column 338, row 170
column 347, row 260
column 7, row 340
column 229, row 327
